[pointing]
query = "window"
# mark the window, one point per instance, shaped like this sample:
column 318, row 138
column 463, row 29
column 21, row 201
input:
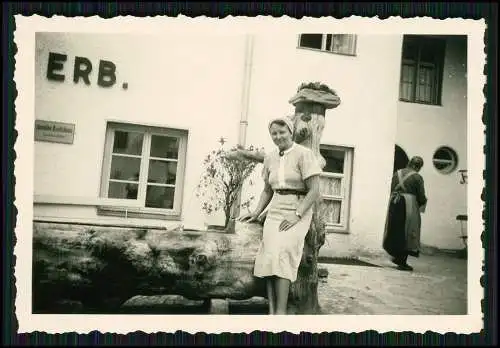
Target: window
column 143, row 166
column 334, row 43
column 335, row 187
column 421, row 70
column 445, row 160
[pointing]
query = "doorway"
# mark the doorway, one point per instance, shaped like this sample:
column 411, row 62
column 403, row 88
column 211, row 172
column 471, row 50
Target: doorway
column 400, row 159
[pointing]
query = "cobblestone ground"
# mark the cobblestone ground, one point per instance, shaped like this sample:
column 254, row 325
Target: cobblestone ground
column 438, row 285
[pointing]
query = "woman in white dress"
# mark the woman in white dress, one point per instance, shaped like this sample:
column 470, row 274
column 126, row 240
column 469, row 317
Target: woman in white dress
column 291, row 178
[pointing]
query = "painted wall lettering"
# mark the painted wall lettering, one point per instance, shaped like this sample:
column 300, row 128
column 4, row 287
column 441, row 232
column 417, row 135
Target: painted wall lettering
column 107, row 76
column 82, row 68
column 56, row 62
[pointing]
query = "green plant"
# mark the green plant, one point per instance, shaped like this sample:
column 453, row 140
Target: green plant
column 222, row 180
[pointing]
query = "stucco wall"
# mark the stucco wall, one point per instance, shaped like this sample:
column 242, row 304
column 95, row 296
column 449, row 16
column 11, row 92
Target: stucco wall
column 189, row 82
column 421, row 129
column 171, row 84
column 366, row 119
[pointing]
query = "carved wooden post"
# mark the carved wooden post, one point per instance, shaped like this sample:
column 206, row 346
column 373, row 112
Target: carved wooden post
column 311, row 103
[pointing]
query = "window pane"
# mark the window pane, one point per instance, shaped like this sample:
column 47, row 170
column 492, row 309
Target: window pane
column 330, row 186
column 330, row 210
column 160, row 197
column 334, row 160
column 162, row 172
column 427, row 75
column 442, row 165
column 125, row 168
column 129, row 143
column 311, row 40
column 164, row 147
column 408, row 73
column 407, row 81
column 410, row 49
column 425, row 84
column 122, row 190
column 429, row 52
column 442, row 154
column 342, row 43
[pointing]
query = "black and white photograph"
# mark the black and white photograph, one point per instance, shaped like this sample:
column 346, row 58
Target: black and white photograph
column 208, row 175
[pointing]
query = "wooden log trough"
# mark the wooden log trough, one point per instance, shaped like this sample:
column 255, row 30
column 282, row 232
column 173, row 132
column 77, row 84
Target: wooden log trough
column 102, row 267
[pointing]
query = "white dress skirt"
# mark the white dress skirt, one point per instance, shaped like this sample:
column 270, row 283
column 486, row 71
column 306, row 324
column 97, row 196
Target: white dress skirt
column 280, row 252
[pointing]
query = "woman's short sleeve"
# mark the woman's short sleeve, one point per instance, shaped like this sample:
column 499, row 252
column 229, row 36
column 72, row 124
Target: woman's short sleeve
column 309, row 165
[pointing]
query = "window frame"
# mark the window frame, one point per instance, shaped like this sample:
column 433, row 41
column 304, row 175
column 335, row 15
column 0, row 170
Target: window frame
column 135, row 208
column 453, row 163
column 352, row 53
column 346, row 188
column 437, row 65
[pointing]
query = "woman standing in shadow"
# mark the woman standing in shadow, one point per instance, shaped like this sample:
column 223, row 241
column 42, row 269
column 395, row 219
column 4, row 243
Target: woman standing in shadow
column 407, row 201
column 291, row 179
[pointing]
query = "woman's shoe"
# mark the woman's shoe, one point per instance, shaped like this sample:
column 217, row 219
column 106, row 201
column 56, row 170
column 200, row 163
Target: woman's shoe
column 405, row 267
column 394, row 261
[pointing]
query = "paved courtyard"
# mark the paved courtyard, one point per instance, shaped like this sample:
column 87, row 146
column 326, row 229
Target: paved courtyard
column 438, row 285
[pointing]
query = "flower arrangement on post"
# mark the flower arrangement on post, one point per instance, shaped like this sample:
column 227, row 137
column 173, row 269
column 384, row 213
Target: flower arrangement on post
column 317, row 86
column 222, row 180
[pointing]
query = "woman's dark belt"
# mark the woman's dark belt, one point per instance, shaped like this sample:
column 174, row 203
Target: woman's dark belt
column 290, row 192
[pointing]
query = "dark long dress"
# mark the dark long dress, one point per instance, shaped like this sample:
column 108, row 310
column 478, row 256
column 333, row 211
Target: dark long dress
column 402, row 229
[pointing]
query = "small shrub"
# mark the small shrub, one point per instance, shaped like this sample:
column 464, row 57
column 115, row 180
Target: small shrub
column 222, row 180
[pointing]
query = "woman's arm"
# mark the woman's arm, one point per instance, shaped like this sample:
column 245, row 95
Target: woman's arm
column 240, row 152
column 265, row 198
column 421, row 196
column 312, row 196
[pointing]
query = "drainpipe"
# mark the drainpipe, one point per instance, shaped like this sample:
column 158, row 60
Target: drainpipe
column 249, row 44
column 246, row 89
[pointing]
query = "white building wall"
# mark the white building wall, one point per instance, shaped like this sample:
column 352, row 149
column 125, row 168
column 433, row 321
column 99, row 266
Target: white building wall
column 366, row 119
column 191, row 83
column 172, row 84
column 422, row 129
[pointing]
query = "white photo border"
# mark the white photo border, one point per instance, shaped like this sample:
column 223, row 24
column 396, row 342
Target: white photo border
column 24, row 38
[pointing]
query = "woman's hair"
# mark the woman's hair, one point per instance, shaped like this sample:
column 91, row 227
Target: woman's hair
column 416, row 162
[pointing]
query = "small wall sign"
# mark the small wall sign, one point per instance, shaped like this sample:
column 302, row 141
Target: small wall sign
column 54, row 132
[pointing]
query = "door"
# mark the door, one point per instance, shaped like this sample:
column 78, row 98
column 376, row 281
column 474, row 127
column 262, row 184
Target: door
column 400, row 159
